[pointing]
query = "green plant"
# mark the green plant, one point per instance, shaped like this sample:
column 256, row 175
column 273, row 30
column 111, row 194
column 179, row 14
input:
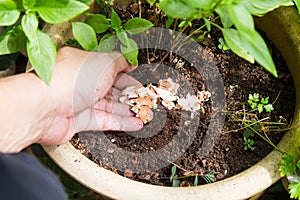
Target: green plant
column 260, row 104
column 175, row 179
column 85, row 34
column 237, row 23
column 21, row 17
column 290, row 167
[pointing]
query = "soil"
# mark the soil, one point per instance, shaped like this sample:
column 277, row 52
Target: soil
column 201, row 144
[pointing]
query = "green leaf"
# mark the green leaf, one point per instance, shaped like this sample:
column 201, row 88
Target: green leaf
column 260, row 7
column 269, row 108
column 294, row 190
column 173, row 170
column 169, row 22
column 297, row 3
column 130, row 52
column 207, row 24
column 223, row 12
column 107, row 43
column 122, row 36
column 58, row 11
column 99, row 22
column 204, row 5
column 176, row 8
column 151, row 2
column 260, row 108
column 175, row 182
column 241, row 18
column 256, row 46
column 287, row 166
column 85, row 35
column 12, row 40
column 9, row 13
column 30, row 25
column 115, row 21
column 27, row 4
column 42, row 55
column 264, row 100
column 137, row 25
column 196, row 181
column 234, row 42
column 209, row 177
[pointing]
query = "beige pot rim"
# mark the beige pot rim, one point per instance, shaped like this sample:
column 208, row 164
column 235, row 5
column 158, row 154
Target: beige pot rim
column 244, row 185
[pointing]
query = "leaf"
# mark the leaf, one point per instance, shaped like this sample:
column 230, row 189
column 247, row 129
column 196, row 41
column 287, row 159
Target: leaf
column 297, row 3
column 130, row 52
column 207, row 24
column 248, row 133
column 99, row 22
column 176, row 9
column 241, row 18
column 85, row 35
column 175, row 182
column 137, row 25
column 27, row 4
column 256, row 46
column 169, row 22
column 260, row 108
column 30, row 25
column 9, row 13
column 204, row 5
column 234, row 42
column 269, row 108
column 287, row 166
column 196, row 181
column 294, row 190
column 12, row 40
column 107, row 43
column 173, row 170
column 264, row 100
column 42, row 55
column 210, row 177
column 122, row 36
column 223, row 12
column 151, row 2
column 261, row 7
column 115, row 21
column 58, row 11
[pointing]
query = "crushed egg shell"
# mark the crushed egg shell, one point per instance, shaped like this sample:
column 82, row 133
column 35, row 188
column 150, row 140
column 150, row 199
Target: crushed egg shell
column 165, row 94
column 168, row 84
column 189, row 103
column 145, row 114
column 203, row 96
column 168, row 104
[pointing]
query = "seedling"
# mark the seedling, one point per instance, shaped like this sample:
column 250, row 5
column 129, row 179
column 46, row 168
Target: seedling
column 85, row 34
column 222, row 45
column 175, row 179
column 260, row 104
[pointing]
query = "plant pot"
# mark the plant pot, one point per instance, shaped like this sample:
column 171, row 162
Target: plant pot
column 249, row 183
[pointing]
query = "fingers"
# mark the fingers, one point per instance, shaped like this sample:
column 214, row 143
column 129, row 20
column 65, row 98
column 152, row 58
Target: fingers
column 123, row 80
column 113, row 107
column 99, row 120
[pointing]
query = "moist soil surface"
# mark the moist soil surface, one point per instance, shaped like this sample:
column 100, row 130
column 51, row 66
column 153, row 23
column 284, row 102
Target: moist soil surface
column 209, row 141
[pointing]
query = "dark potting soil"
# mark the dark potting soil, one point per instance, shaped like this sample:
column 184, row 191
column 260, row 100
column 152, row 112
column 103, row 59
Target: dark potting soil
column 212, row 140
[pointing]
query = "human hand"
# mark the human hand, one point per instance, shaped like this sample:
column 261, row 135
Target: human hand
column 85, row 88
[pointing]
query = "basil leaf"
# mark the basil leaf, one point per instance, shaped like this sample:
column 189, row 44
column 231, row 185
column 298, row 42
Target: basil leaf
column 261, row 7
column 122, row 36
column 58, row 11
column 42, row 55
column 30, row 25
column 99, row 23
column 115, row 21
column 12, row 40
column 130, row 52
column 107, row 43
column 85, row 35
column 137, row 25
column 234, row 42
column 9, row 13
column 27, row 4
column 176, row 8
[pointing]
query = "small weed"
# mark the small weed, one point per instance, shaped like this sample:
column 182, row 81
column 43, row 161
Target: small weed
column 175, row 179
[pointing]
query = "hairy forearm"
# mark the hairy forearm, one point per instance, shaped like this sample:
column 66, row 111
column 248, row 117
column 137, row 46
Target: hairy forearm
column 22, row 98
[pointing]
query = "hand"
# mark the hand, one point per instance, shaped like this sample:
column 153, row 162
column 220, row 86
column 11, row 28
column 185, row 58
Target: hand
column 83, row 95
column 88, row 88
